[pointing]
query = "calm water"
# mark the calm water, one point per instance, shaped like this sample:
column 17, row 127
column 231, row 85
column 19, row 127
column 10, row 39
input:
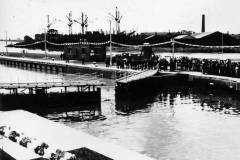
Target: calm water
column 174, row 124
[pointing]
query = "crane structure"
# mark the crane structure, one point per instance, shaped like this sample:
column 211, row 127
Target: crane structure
column 117, row 18
column 83, row 22
column 49, row 24
column 70, row 22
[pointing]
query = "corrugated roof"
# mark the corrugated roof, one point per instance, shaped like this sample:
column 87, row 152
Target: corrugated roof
column 149, row 37
column 201, row 35
column 184, row 37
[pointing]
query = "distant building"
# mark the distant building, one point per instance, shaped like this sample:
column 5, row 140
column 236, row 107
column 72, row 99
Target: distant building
column 236, row 36
column 208, row 38
column 85, row 51
column 186, row 32
column 215, row 38
column 28, row 39
column 52, row 31
column 206, row 34
column 39, row 37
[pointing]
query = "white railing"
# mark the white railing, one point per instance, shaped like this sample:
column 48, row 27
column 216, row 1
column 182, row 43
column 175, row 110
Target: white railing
column 50, row 84
column 139, row 75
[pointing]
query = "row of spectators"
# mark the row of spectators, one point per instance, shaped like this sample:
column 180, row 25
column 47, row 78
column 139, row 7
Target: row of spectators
column 136, row 62
column 206, row 66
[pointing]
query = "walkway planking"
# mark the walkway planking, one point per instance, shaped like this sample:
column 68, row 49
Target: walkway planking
column 137, row 76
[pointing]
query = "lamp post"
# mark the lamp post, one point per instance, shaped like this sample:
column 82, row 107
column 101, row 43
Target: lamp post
column 110, row 42
column 6, row 43
column 172, row 47
column 222, row 42
column 45, row 43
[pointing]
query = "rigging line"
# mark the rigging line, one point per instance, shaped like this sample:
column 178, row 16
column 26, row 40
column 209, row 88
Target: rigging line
column 128, row 45
column 203, row 46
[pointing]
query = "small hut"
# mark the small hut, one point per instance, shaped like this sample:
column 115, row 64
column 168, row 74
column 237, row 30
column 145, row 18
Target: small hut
column 86, row 52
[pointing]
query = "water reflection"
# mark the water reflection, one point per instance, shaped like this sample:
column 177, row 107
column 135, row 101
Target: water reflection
column 73, row 114
column 130, row 105
column 206, row 100
column 182, row 123
column 219, row 102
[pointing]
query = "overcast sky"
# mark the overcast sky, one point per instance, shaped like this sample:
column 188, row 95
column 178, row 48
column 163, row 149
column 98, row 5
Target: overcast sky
column 27, row 17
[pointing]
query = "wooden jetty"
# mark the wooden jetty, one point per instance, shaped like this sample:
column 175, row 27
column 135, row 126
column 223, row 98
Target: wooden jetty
column 56, row 136
column 47, row 65
column 45, row 95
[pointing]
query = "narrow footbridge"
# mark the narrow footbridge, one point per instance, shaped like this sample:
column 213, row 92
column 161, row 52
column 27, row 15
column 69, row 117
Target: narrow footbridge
column 136, row 83
column 137, row 76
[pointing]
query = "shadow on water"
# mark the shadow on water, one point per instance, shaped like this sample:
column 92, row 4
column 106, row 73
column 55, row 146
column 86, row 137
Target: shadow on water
column 67, row 113
column 209, row 99
column 142, row 101
column 72, row 114
column 220, row 101
column 127, row 106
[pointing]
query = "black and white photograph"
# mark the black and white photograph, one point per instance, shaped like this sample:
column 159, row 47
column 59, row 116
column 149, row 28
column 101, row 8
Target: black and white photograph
column 119, row 80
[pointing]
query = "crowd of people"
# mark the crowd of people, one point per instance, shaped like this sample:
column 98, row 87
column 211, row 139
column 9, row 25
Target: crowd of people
column 136, row 62
column 206, row 66
column 222, row 67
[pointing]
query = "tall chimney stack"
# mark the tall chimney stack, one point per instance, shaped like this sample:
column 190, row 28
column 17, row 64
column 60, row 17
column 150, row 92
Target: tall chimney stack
column 203, row 23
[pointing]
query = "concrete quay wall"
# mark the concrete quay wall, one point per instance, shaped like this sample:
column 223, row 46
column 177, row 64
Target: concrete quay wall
column 148, row 85
column 213, row 81
column 61, row 66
